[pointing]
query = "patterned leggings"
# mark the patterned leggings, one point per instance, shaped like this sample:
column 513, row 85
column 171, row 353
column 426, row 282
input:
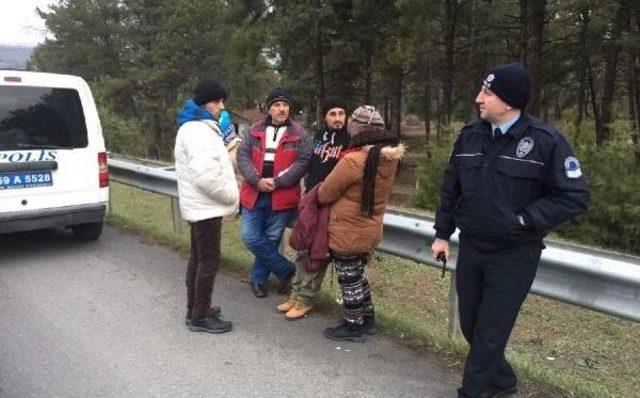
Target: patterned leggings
column 356, row 294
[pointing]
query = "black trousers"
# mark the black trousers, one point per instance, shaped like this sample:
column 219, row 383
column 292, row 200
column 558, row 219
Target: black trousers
column 204, row 262
column 491, row 289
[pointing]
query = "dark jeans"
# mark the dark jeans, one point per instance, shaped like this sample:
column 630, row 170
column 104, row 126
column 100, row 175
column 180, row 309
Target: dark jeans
column 491, row 289
column 204, row 262
column 262, row 230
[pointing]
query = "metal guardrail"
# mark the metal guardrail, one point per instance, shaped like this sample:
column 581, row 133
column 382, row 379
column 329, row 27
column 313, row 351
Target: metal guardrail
column 156, row 179
column 599, row 280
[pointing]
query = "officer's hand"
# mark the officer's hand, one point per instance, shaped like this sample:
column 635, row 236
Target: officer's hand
column 266, row 185
column 440, row 246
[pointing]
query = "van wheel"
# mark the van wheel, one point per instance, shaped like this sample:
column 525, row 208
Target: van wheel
column 90, row 231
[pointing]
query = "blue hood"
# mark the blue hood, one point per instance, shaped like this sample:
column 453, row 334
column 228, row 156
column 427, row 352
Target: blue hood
column 191, row 111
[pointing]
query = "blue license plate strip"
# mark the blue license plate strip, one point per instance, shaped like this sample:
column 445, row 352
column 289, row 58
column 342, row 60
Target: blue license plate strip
column 27, row 179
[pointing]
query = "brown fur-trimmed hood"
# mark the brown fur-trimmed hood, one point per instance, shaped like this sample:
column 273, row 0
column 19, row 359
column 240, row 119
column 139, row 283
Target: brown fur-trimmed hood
column 390, row 152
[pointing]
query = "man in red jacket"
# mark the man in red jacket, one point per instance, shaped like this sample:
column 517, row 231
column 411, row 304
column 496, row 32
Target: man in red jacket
column 272, row 158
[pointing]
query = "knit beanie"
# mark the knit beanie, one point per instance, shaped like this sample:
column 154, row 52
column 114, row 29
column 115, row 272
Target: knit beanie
column 333, row 102
column 366, row 127
column 208, row 90
column 278, row 94
column 510, row 82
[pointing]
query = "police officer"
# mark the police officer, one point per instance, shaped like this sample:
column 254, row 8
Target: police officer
column 511, row 178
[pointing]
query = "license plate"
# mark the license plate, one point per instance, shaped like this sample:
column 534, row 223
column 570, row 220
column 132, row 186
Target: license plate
column 27, row 179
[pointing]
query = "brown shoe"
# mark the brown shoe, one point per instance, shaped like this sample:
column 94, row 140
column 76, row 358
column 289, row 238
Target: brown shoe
column 298, row 311
column 286, row 305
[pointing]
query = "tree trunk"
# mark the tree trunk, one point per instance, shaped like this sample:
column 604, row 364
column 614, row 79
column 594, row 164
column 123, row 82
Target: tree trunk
column 582, row 71
column 532, row 14
column 396, row 107
column 153, row 145
column 635, row 84
column 581, row 97
column 439, row 119
column 449, row 41
column 611, row 69
column 427, row 104
column 592, row 94
column 368, row 78
column 612, row 55
column 386, row 110
column 633, row 109
column 587, row 100
column 319, row 72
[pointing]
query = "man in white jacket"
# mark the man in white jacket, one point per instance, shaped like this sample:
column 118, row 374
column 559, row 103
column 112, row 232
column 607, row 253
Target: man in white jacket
column 208, row 191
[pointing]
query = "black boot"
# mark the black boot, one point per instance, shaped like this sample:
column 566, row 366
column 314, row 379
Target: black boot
column 346, row 332
column 370, row 328
column 258, row 290
column 507, row 392
column 210, row 324
column 215, row 311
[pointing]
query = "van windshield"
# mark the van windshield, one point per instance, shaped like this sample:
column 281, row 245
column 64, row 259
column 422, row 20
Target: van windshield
column 41, row 117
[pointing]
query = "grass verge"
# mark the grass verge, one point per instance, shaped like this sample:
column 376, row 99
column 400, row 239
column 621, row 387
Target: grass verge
column 557, row 349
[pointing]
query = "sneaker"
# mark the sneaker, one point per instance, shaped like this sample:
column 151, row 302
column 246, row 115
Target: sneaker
column 210, row 324
column 298, row 311
column 286, row 305
column 370, row 328
column 346, row 332
column 215, row 311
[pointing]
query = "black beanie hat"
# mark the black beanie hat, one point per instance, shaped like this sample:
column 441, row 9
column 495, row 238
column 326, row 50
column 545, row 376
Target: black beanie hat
column 510, row 82
column 333, row 102
column 208, row 90
column 278, row 94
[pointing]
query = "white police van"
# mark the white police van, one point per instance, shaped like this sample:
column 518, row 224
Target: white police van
column 53, row 163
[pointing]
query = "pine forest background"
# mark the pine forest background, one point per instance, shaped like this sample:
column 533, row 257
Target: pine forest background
column 421, row 62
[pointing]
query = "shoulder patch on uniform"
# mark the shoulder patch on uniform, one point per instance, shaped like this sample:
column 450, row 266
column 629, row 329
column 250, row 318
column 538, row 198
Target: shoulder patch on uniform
column 525, row 145
column 572, row 167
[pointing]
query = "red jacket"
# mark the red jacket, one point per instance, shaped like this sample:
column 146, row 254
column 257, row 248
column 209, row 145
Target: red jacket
column 310, row 231
column 290, row 165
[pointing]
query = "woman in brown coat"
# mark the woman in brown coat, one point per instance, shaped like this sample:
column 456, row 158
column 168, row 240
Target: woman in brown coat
column 357, row 190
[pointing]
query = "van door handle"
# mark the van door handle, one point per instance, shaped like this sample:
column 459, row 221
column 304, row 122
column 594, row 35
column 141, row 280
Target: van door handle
column 29, row 166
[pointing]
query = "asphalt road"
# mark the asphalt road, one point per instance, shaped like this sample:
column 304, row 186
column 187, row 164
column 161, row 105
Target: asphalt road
column 106, row 318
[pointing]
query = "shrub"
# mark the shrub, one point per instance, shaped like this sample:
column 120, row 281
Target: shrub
column 122, row 136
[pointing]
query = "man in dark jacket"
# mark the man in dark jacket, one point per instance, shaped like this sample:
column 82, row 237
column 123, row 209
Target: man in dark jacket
column 272, row 159
column 330, row 141
column 511, row 178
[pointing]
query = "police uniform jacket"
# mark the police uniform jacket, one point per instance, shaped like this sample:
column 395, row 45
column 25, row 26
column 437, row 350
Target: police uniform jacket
column 505, row 190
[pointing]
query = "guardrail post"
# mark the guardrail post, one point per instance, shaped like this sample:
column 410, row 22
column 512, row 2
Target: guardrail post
column 454, row 319
column 177, row 218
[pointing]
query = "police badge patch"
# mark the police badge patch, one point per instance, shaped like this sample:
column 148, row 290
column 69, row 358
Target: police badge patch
column 487, row 81
column 525, row 146
column 572, row 167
